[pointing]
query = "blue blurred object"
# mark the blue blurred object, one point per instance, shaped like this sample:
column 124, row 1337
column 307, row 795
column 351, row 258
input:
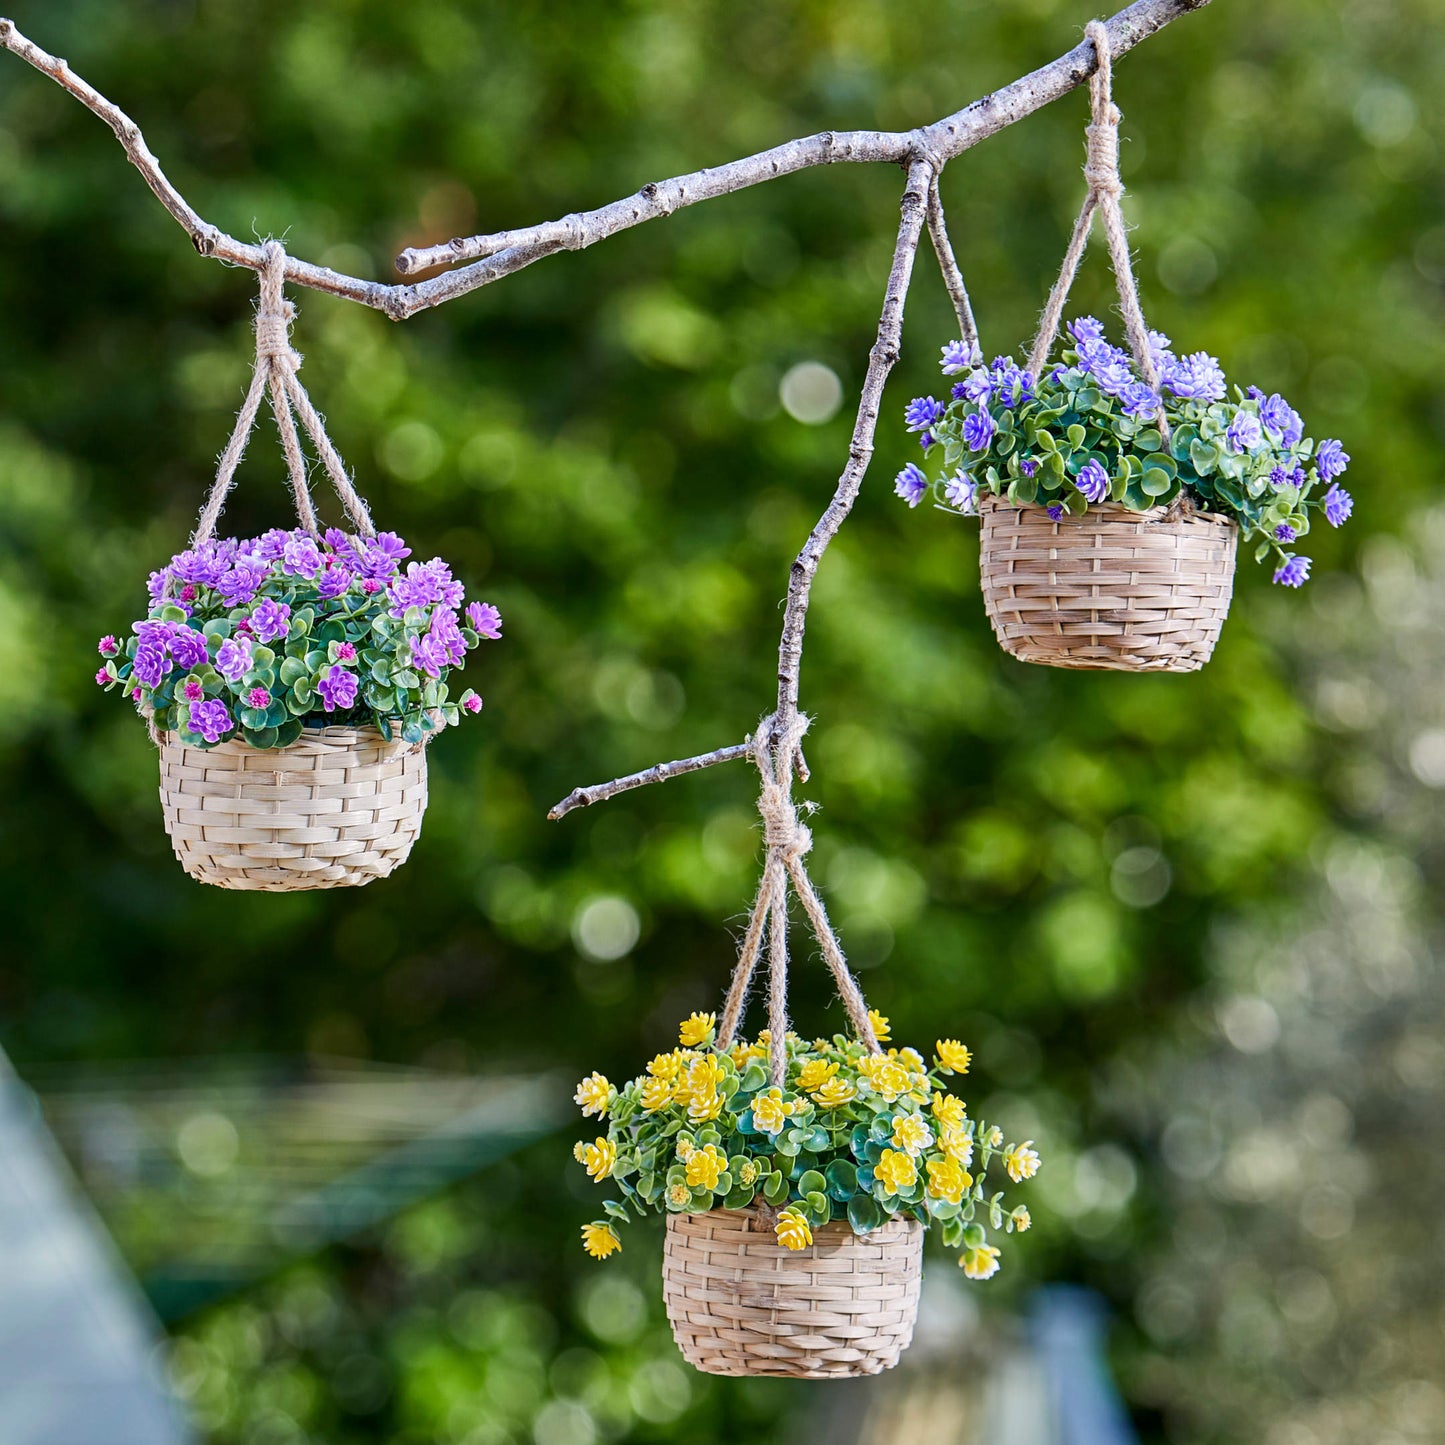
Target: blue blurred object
column 1068, row 1326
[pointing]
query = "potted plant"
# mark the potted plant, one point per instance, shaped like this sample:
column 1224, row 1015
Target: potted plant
column 796, row 1209
column 291, row 681
column 1110, row 508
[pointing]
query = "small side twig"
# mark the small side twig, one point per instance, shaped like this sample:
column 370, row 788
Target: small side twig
column 660, row 773
column 948, row 265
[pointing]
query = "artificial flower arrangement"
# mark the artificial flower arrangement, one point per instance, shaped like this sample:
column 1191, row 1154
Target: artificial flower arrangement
column 253, row 639
column 850, row 1136
column 1088, row 432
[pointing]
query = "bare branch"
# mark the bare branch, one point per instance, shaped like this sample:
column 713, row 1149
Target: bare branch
column 600, row 792
column 501, row 254
column 948, row 265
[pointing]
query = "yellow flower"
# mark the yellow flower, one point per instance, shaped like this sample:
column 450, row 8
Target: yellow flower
column 957, row 1144
column 882, row 1030
column 911, row 1134
column 886, row 1077
column 949, row 1112
column 815, row 1073
column 599, row 1157
column 666, row 1066
column 980, row 1262
column 947, row 1180
column 897, row 1171
column 593, row 1095
column 770, row 1113
column 600, row 1240
column 700, row 1079
column 952, row 1057
column 685, row 1147
column 1021, row 1162
column 697, row 1029
column 911, row 1059
column 656, row 1094
column 994, row 1137
column 678, row 1194
column 835, row 1093
column 704, row 1166
column 1020, row 1219
column 702, row 1107
column 792, row 1229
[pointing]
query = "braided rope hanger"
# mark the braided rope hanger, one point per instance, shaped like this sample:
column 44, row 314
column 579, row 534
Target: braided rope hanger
column 1101, row 171
column 275, row 375
column 787, row 841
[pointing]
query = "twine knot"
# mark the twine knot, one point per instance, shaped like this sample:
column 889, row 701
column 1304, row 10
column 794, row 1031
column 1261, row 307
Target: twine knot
column 273, row 332
column 781, row 829
column 1101, row 167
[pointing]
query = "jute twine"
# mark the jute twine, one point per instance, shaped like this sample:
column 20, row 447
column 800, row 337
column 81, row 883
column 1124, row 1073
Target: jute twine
column 275, row 375
column 788, row 841
column 1101, row 171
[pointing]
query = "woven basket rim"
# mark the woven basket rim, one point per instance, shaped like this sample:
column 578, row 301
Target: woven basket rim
column 1186, row 508
column 327, row 732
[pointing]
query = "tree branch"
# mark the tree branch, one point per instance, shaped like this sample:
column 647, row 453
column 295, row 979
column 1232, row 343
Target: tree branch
column 600, row 792
column 948, row 265
column 502, row 253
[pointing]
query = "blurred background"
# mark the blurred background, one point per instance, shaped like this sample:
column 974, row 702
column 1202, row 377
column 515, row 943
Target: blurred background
column 303, row 1162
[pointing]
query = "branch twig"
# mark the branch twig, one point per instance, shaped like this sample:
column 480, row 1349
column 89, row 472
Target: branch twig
column 508, row 251
column 600, row 792
column 948, row 265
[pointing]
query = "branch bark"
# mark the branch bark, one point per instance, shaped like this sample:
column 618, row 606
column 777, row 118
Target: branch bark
column 600, row 792
column 502, row 253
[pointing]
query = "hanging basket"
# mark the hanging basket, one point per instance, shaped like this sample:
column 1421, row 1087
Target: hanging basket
column 741, row 1304
column 1112, row 589
column 336, row 809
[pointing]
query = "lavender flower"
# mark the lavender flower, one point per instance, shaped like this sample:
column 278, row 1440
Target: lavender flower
column 959, row 391
column 978, row 430
column 1028, row 466
column 1280, row 477
column 301, row 557
column 1055, row 511
column 382, row 554
column 1331, row 459
column 1140, row 401
column 1160, row 350
column 957, row 356
column 1011, row 385
column 921, row 413
column 209, row 719
column 1198, row 377
column 1093, row 482
column 445, row 633
column 488, row 621
column 1277, row 415
column 1294, row 572
column 1338, row 505
column 977, row 386
column 428, row 655
column 926, row 439
column 337, row 688
column 1284, row 533
column 239, row 584
column 271, row 619
column 1086, row 328
column 961, row 492
column 910, row 484
column 345, row 652
column 188, row 648
column 333, row 582
column 1243, row 433
column 233, row 658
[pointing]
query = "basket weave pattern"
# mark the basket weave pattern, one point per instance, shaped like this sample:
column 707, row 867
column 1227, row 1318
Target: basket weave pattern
column 337, row 808
column 1113, row 589
column 741, row 1304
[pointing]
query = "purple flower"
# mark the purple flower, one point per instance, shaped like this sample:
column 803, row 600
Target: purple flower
column 301, row 557
column 157, row 583
column 978, row 430
column 107, row 646
column 270, row 546
column 1140, row 400
column 977, row 385
column 202, row 565
column 959, row 391
column 1198, row 377
column 209, row 719
column 343, row 546
column 921, row 413
column 1055, row 511
column 188, row 648
column 1160, row 349
column 1280, row 419
column 1279, row 477
column 1086, row 328
column 337, row 688
column 345, row 652
column 271, row 619
column 1294, row 572
column 1106, row 364
column 233, row 659
column 961, row 492
column 1338, row 505
column 487, row 620
column 149, row 664
column 334, row 581
column 1093, row 482
column 1331, row 460
column 238, row 584
column 258, row 698
column 1284, row 533
column 472, row 703
column 445, row 633
column 428, row 654
column 102, row 677
column 911, row 484
column 1244, row 432
column 926, row 439
column 193, row 691
column 1028, row 466
column 382, row 554
column 957, row 356
column 1012, row 385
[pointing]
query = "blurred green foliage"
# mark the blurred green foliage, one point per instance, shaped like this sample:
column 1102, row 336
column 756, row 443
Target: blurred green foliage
column 1032, row 860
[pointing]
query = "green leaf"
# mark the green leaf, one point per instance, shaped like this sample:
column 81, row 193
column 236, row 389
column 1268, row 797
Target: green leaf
column 864, row 1213
column 819, row 1210
column 1155, row 482
column 292, row 670
column 1204, row 457
column 262, row 738
column 841, row 1179
column 1076, row 435
column 288, row 733
column 775, row 1190
column 812, row 1183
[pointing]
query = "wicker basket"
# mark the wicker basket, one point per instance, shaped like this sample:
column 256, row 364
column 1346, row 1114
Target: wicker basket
column 741, row 1304
column 1114, row 589
column 337, row 808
